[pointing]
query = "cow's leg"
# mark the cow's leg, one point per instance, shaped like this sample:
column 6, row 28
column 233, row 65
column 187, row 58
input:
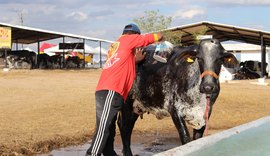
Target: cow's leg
column 199, row 133
column 126, row 122
column 180, row 124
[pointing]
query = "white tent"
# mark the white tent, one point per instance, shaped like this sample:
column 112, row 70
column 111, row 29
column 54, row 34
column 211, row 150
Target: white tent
column 88, row 50
column 96, row 56
column 103, row 51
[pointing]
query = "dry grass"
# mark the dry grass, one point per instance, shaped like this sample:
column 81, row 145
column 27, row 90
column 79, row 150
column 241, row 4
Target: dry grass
column 43, row 110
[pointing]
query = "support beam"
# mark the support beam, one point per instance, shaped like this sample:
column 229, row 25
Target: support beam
column 83, row 53
column 100, row 56
column 17, row 45
column 63, row 63
column 263, row 57
column 37, row 62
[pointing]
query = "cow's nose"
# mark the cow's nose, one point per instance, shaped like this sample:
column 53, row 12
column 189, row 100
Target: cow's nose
column 207, row 89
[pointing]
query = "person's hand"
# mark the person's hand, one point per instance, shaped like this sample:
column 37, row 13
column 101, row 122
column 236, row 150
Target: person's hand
column 161, row 37
column 139, row 55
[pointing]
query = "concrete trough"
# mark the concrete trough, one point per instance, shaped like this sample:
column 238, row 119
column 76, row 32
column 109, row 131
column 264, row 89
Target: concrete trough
column 248, row 139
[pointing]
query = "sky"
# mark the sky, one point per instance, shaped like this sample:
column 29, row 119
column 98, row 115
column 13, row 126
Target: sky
column 105, row 19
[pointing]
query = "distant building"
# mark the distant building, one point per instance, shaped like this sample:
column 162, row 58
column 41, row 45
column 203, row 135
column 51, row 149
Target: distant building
column 243, row 52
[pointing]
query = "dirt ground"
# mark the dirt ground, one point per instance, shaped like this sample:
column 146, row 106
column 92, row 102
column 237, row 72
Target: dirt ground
column 42, row 110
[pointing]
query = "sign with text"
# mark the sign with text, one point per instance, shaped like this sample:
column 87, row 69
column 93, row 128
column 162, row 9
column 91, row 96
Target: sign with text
column 71, row 45
column 5, row 37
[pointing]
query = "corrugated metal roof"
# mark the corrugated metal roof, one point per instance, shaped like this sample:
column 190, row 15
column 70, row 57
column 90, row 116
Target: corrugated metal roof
column 28, row 35
column 222, row 32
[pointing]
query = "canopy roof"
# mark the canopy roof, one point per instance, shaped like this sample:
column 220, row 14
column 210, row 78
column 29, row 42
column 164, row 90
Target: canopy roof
column 28, row 35
column 222, row 32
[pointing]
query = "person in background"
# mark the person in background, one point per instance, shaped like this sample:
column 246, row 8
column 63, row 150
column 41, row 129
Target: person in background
column 114, row 85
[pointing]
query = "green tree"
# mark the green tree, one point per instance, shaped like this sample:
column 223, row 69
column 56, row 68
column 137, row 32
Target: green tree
column 152, row 21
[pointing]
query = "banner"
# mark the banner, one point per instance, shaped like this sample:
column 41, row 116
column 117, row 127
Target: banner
column 5, row 37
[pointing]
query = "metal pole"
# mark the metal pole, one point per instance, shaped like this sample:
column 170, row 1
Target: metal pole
column 263, row 57
column 6, row 65
column 100, row 59
column 83, row 53
column 17, row 46
column 63, row 63
column 37, row 62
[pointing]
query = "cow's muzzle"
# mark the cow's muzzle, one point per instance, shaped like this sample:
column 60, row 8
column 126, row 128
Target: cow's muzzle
column 208, row 86
column 209, row 72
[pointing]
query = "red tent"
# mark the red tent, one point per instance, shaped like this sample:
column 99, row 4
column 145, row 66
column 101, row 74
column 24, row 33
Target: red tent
column 46, row 46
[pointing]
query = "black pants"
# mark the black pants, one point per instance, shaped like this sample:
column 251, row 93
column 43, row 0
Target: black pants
column 108, row 104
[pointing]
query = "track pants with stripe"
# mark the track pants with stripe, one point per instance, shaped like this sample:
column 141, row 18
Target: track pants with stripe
column 108, row 104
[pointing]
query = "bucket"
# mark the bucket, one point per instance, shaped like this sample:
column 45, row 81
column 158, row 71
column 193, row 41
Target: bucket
column 163, row 51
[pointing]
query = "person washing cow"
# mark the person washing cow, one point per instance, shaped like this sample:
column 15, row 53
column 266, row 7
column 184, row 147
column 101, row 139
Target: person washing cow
column 115, row 83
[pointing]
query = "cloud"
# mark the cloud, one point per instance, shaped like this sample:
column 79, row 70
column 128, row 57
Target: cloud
column 101, row 14
column 95, row 33
column 78, row 16
column 189, row 14
column 239, row 2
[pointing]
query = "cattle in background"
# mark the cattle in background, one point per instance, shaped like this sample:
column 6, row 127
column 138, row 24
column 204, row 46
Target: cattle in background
column 2, row 62
column 21, row 59
column 56, row 61
column 73, row 62
column 50, row 62
column 43, row 61
column 249, row 70
column 180, row 89
column 2, row 59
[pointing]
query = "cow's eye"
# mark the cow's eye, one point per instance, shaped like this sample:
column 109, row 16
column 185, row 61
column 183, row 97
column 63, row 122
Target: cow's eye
column 190, row 59
column 228, row 59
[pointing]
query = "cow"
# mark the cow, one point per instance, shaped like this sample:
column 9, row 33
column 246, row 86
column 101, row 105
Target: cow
column 49, row 62
column 185, row 88
column 73, row 62
column 21, row 59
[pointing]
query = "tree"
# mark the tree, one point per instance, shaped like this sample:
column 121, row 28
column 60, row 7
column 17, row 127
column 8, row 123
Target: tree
column 153, row 22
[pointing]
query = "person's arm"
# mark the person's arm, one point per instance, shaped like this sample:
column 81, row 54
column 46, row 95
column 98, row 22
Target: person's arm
column 144, row 40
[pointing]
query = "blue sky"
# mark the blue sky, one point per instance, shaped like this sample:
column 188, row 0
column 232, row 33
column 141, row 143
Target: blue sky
column 106, row 19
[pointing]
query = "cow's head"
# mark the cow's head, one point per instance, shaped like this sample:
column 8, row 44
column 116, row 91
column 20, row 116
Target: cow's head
column 208, row 56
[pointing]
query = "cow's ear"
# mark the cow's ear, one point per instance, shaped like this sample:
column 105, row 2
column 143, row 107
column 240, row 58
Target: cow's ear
column 187, row 57
column 230, row 61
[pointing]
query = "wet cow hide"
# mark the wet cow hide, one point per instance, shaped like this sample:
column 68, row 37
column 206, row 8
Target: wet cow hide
column 178, row 88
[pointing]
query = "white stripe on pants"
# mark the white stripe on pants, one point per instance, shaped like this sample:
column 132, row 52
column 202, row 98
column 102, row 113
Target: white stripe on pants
column 103, row 121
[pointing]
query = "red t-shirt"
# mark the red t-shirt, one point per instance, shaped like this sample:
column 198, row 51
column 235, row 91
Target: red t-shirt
column 119, row 70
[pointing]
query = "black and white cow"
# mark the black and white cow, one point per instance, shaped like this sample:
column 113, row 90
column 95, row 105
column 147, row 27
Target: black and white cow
column 50, row 62
column 180, row 89
column 21, row 59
